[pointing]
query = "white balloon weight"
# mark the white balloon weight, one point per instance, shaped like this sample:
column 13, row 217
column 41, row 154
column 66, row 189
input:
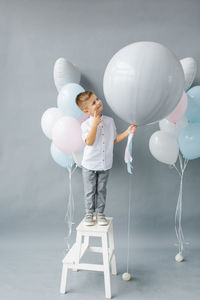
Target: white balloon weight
column 143, row 82
column 65, row 72
column 189, row 66
column 172, row 128
column 179, row 257
column 126, row 276
column 164, row 147
column 49, row 118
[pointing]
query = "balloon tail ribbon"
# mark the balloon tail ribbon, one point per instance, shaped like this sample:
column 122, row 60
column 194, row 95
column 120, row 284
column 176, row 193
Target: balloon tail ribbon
column 178, row 213
column 70, row 209
column 128, row 153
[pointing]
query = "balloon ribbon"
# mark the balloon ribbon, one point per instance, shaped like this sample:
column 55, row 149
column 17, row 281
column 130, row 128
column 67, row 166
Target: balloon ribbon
column 128, row 153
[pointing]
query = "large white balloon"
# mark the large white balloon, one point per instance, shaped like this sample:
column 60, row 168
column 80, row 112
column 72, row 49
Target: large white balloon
column 164, row 147
column 189, row 66
column 49, row 118
column 65, row 72
column 143, row 82
column 172, row 128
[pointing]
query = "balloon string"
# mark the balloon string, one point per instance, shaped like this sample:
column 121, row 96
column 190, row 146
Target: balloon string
column 178, row 213
column 129, row 218
column 70, row 209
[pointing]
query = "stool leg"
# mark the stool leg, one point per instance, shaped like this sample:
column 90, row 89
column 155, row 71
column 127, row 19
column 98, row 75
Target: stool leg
column 77, row 250
column 63, row 289
column 106, row 266
column 112, row 248
column 86, row 240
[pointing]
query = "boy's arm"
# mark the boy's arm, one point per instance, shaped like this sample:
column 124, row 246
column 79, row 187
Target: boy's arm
column 120, row 137
column 90, row 139
column 91, row 135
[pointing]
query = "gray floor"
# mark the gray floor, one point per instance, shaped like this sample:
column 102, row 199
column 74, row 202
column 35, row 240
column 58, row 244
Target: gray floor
column 31, row 269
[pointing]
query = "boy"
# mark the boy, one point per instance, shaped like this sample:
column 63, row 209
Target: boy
column 99, row 134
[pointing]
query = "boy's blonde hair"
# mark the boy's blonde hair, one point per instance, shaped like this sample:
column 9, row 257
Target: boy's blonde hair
column 82, row 98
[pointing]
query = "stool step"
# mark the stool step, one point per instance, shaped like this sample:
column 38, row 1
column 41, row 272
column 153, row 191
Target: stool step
column 90, row 267
column 69, row 257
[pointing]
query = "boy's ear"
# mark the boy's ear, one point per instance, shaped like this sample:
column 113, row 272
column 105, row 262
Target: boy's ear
column 85, row 111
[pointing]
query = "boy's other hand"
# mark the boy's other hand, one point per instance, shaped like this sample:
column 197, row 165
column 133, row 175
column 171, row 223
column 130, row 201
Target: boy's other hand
column 132, row 128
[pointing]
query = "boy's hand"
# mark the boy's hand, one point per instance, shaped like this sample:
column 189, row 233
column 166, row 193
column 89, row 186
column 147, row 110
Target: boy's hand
column 132, row 128
column 97, row 119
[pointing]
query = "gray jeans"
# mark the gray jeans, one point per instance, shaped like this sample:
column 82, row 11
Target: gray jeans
column 94, row 183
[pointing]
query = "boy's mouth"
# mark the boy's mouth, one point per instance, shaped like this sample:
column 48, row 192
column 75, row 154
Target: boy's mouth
column 100, row 106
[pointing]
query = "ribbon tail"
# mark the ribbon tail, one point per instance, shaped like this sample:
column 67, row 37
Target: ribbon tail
column 128, row 153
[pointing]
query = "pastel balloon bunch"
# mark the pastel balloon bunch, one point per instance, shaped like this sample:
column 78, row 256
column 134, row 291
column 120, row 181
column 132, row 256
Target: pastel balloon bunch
column 181, row 129
column 62, row 124
column 179, row 137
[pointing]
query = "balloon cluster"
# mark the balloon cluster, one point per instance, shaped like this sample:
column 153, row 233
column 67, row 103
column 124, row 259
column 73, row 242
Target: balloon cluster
column 181, row 129
column 62, row 124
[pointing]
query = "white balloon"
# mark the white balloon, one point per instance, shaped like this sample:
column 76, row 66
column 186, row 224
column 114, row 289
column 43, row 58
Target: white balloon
column 78, row 156
column 189, row 66
column 49, row 118
column 65, row 72
column 164, row 147
column 143, row 82
column 172, row 128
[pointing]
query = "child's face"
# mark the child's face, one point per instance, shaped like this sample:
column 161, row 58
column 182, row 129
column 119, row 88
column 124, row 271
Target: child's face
column 93, row 104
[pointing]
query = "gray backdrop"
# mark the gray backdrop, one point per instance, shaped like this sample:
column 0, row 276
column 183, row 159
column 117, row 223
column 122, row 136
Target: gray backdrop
column 34, row 189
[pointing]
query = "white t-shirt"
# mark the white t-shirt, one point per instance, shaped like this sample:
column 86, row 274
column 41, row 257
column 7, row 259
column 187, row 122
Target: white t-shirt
column 99, row 156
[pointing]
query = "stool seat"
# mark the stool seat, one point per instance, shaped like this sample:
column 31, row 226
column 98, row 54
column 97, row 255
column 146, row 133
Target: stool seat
column 73, row 257
column 95, row 228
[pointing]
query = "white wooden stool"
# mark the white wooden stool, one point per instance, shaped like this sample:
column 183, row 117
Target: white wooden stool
column 74, row 255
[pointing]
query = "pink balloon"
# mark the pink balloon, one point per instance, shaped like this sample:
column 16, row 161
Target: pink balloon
column 179, row 111
column 83, row 118
column 66, row 135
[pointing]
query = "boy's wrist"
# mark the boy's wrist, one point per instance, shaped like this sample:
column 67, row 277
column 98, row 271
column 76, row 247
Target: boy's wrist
column 94, row 124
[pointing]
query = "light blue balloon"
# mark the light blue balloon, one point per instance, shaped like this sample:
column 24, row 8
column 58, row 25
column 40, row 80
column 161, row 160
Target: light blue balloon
column 67, row 100
column 61, row 158
column 189, row 141
column 193, row 109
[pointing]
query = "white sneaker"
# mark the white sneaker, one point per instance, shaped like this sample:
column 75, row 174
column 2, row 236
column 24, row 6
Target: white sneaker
column 88, row 220
column 101, row 219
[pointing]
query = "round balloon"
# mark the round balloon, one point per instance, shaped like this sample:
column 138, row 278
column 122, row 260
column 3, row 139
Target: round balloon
column 179, row 111
column 189, row 141
column 172, row 128
column 49, row 118
column 67, row 100
column 78, row 156
column 62, row 159
column 193, row 109
column 143, row 82
column 67, row 135
column 164, row 147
